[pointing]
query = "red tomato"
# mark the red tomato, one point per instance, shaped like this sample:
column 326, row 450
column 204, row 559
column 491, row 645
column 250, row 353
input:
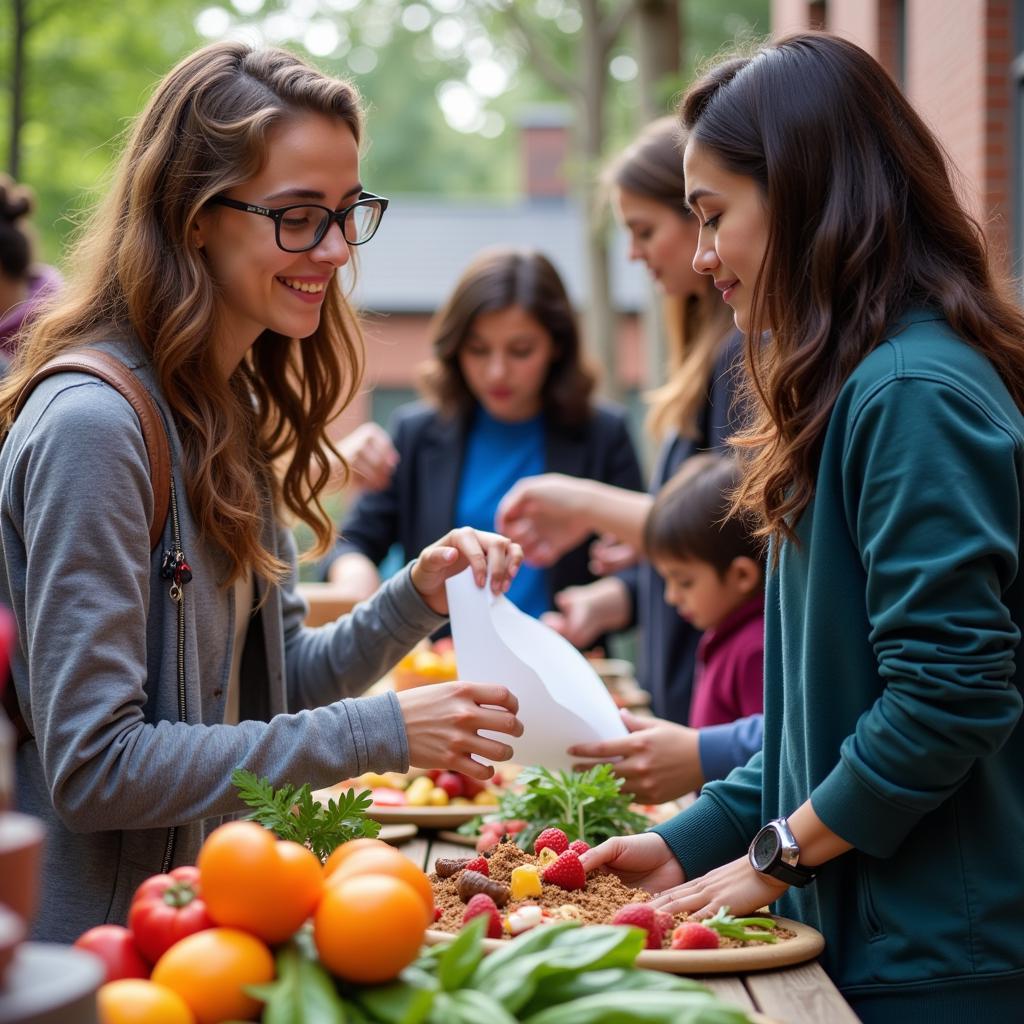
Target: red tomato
column 166, row 908
column 115, row 946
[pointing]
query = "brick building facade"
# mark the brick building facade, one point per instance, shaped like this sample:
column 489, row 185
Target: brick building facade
column 961, row 63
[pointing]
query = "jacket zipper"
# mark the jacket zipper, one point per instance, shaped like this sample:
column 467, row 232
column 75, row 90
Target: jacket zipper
column 176, row 569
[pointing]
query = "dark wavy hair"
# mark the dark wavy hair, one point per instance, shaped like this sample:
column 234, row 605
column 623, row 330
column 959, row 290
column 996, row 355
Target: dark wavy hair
column 262, row 435
column 498, row 279
column 693, row 517
column 16, row 205
column 864, row 223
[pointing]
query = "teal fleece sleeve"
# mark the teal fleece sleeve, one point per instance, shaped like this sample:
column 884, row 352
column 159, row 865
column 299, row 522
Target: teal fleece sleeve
column 719, row 826
column 933, row 497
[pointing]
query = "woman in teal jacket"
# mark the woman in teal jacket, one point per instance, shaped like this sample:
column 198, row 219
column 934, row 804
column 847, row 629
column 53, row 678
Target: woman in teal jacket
column 886, row 464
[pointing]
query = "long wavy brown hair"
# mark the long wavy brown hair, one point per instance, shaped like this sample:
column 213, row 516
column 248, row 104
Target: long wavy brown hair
column 259, row 437
column 498, row 279
column 864, row 223
column 652, row 166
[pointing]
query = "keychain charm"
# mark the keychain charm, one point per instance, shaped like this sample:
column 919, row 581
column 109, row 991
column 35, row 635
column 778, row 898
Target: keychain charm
column 175, row 568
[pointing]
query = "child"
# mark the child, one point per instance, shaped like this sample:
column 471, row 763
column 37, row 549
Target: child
column 886, row 465
column 711, row 564
column 212, row 271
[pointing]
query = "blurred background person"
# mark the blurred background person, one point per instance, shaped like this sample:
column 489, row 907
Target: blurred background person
column 693, row 411
column 25, row 283
column 508, row 395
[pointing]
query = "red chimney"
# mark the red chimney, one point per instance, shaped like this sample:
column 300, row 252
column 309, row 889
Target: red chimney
column 544, row 135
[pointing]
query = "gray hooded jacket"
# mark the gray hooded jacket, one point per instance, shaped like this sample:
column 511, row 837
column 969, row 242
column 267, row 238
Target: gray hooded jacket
column 125, row 779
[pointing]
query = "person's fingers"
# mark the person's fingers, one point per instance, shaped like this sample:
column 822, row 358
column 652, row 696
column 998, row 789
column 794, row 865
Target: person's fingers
column 636, row 723
column 498, row 560
column 491, row 749
column 491, row 694
column 494, row 720
column 602, row 750
column 603, row 855
column 470, row 766
column 556, row 621
column 466, row 540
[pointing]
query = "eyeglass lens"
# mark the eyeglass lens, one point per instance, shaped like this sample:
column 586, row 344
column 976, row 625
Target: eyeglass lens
column 302, row 227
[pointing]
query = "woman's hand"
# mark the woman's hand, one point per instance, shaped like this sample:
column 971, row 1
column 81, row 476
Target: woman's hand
column 642, row 862
column 659, row 760
column 547, row 515
column 370, row 455
column 584, row 613
column 735, row 885
column 488, row 554
column 443, row 723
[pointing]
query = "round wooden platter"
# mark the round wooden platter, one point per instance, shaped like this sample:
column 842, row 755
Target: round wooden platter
column 429, row 817
column 806, row 944
column 397, row 834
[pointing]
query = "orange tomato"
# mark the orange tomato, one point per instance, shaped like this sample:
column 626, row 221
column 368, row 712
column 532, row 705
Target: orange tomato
column 387, row 861
column 368, row 927
column 134, row 1001
column 210, row 971
column 251, row 880
column 343, row 852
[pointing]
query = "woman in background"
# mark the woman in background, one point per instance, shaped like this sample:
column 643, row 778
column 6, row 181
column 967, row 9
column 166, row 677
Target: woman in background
column 508, row 395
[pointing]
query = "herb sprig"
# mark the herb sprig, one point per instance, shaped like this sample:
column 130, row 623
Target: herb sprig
column 586, row 805
column 730, row 927
column 292, row 813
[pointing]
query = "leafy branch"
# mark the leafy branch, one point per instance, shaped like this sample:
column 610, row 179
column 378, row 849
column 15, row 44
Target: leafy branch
column 730, row 927
column 292, row 813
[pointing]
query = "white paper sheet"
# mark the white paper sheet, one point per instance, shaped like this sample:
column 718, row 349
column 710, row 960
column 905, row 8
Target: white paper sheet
column 562, row 700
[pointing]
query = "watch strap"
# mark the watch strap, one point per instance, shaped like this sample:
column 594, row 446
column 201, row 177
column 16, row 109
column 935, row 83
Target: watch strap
column 791, row 874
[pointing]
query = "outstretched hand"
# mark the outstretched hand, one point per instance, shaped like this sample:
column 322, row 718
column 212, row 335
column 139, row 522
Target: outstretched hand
column 642, row 861
column 488, row 554
column 547, row 515
column 735, row 885
column 659, row 760
column 443, row 723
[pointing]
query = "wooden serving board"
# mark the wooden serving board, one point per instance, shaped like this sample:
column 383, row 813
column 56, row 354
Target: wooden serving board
column 429, row 817
column 806, row 944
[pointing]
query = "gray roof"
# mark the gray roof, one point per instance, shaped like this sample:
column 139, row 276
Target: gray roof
column 424, row 244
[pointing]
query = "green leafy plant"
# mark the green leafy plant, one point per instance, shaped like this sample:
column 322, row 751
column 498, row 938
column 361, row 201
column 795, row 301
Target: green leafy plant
column 730, row 927
column 292, row 813
column 586, row 805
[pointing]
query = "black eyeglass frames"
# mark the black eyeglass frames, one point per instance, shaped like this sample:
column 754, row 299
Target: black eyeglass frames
column 302, row 226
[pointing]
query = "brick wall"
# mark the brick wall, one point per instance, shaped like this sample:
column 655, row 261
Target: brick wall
column 956, row 73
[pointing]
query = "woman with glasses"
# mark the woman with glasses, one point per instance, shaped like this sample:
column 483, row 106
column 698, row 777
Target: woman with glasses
column 146, row 674
column 508, row 395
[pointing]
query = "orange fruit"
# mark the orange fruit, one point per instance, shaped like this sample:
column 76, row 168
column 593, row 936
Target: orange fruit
column 211, row 969
column 134, row 1001
column 253, row 881
column 387, row 861
column 368, row 927
column 341, row 853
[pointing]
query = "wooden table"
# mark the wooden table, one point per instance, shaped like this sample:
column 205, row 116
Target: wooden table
column 793, row 995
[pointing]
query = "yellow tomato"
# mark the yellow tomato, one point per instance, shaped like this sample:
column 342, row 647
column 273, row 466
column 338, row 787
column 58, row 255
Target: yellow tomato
column 210, row 971
column 134, row 1001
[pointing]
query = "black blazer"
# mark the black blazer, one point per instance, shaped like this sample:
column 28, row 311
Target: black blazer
column 418, row 506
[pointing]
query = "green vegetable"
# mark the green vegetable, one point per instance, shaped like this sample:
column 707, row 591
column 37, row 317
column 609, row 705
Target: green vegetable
column 468, row 1006
column 462, row 957
column 292, row 813
column 303, row 992
column 586, row 805
column 730, row 927
column 641, row 1008
column 563, row 988
column 511, row 975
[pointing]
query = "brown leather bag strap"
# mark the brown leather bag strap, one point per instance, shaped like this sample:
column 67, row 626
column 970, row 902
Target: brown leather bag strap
column 111, row 370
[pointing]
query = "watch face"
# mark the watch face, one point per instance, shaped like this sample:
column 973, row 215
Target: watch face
column 765, row 848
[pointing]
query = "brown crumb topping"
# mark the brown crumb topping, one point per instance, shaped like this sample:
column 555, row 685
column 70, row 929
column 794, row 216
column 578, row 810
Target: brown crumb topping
column 596, row 903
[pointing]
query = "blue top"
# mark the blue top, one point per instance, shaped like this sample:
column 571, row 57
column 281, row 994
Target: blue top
column 497, row 455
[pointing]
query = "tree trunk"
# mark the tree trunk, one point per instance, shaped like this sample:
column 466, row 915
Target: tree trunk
column 599, row 317
column 659, row 49
column 658, row 25
column 20, row 19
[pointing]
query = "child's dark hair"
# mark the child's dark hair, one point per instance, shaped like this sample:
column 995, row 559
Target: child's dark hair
column 691, row 518
column 16, row 203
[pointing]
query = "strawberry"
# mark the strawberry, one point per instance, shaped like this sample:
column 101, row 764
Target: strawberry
column 567, row 871
column 552, row 837
column 437, row 914
column 579, row 846
column 514, row 826
column 641, row 915
column 478, row 864
column 693, row 935
column 481, row 903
